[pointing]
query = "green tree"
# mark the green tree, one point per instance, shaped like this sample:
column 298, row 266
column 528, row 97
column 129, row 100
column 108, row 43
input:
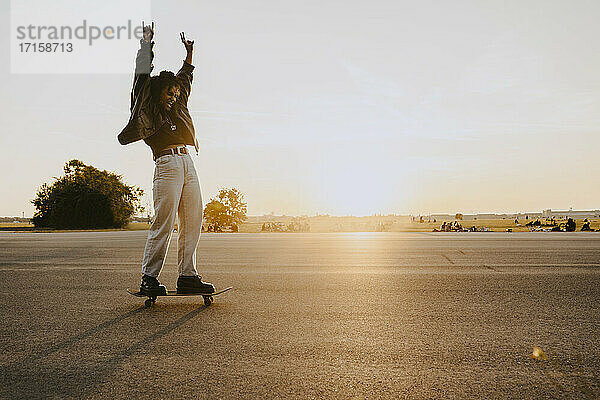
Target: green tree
column 228, row 208
column 85, row 198
column 215, row 214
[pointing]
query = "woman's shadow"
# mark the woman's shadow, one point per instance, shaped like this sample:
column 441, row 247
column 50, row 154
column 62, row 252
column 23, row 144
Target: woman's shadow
column 31, row 377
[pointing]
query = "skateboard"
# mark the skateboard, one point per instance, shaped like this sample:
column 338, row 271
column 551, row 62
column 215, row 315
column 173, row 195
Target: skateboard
column 208, row 298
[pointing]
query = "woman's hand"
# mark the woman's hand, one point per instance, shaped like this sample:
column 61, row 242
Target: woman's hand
column 189, row 47
column 189, row 44
column 148, row 32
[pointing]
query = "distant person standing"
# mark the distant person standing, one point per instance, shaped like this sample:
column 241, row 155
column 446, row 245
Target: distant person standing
column 159, row 116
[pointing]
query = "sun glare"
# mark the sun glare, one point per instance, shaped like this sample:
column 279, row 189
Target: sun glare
column 356, row 182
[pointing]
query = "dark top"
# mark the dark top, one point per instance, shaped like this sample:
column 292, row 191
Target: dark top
column 144, row 122
column 166, row 136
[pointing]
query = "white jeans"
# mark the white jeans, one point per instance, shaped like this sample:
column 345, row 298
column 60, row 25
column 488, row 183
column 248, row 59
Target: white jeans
column 175, row 190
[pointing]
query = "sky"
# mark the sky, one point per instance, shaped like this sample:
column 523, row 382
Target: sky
column 341, row 107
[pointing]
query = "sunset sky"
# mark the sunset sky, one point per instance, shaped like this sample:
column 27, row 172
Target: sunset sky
column 342, row 107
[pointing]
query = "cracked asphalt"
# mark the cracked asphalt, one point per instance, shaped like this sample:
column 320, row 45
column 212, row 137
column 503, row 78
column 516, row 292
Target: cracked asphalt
column 373, row 315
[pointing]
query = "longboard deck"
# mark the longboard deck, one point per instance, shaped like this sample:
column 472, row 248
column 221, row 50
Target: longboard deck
column 208, row 297
column 137, row 293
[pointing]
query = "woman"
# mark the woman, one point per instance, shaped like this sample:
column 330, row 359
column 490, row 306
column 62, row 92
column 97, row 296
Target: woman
column 159, row 116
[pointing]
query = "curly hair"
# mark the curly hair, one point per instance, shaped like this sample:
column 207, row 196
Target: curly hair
column 164, row 80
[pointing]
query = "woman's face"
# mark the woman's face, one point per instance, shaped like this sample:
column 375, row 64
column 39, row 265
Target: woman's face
column 168, row 97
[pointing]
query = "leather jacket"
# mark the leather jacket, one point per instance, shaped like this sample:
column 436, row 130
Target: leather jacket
column 145, row 120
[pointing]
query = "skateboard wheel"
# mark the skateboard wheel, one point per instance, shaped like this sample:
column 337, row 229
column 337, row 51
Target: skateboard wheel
column 148, row 303
column 208, row 300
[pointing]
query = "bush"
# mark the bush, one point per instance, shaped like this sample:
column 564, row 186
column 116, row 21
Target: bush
column 86, row 198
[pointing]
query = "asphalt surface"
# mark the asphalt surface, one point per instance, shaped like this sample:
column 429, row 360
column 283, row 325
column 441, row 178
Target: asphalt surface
column 421, row 315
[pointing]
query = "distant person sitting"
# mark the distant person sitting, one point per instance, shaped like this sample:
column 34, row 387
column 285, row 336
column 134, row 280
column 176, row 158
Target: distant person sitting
column 586, row 226
column 570, row 226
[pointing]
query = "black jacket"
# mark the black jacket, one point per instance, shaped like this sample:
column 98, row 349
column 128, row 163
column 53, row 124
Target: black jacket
column 145, row 120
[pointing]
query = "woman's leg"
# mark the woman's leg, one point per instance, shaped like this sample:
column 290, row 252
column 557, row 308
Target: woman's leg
column 166, row 193
column 190, row 219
